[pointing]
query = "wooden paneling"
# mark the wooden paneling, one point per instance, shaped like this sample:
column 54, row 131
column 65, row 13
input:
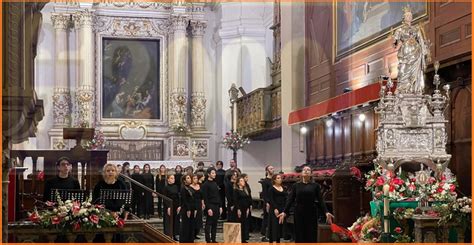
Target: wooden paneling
column 338, row 139
column 347, row 136
column 329, row 139
column 319, row 129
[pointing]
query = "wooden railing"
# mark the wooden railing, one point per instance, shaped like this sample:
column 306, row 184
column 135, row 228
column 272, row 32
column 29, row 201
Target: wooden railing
column 133, row 231
column 259, row 113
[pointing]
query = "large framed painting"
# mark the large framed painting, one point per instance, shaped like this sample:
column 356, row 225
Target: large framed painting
column 363, row 23
column 130, row 78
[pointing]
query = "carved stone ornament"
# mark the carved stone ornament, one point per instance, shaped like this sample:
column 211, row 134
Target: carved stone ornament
column 198, row 110
column 132, row 130
column 61, row 107
column 180, row 147
column 59, row 144
column 178, row 108
column 198, row 28
column 85, row 101
column 179, row 22
column 131, row 26
column 60, row 21
column 133, row 4
column 84, row 18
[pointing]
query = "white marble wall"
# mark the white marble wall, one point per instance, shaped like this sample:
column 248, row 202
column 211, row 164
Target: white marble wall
column 237, row 46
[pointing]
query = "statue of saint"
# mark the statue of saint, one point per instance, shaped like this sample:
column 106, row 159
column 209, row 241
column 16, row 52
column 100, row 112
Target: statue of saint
column 413, row 55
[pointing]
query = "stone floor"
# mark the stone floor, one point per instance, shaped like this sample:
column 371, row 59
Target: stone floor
column 255, row 236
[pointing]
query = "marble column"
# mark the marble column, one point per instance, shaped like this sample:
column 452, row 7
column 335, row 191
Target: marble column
column 198, row 97
column 85, row 84
column 178, row 103
column 61, row 94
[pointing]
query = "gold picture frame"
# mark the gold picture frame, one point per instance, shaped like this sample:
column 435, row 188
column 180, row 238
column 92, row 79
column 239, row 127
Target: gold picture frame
column 370, row 22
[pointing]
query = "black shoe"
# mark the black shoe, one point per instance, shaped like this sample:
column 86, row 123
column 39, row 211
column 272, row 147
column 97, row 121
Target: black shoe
column 264, row 239
column 196, row 237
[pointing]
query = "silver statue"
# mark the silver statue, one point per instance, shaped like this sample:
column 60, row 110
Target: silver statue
column 413, row 55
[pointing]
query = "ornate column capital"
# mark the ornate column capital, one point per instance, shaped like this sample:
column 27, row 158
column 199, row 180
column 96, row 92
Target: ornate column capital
column 179, row 22
column 198, row 28
column 60, row 21
column 83, row 19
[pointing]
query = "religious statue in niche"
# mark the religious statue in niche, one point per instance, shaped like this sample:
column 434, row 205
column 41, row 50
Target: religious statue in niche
column 130, row 74
column 413, row 55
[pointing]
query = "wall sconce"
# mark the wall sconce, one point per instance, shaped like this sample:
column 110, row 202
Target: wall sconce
column 362, row 117
column 329, row 122
column 303, row 129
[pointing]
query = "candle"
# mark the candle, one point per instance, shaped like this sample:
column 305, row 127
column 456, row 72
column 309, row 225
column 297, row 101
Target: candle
column 400, row 171
column 386, row 207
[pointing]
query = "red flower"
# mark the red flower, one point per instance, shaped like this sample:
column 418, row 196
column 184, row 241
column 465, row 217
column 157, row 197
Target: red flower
column 452, row 187
column 94, row 218
column 370, row 182
column 40, row 176
column 398, row 230
column 379, row 181
column 443, row 177
column 398, row 181
column 431, row 180
column 99, row 206
column 77, row 226
column 412, row 187
column 76, row 206
column 120, row 223
column 55, row 220
column 439, row 190
column 378, row 194
column 34, row 217
column 392, row 188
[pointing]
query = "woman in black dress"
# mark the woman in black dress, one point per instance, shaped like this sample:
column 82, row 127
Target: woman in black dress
column 305, row 193
column 171, row 190
column 137, row 192
column 242, row 203
column 178, row 174
column 149, row 182
column 229, row 194
column 160, row 183
column 277, row 197
column 188, row 210
column 196, row 185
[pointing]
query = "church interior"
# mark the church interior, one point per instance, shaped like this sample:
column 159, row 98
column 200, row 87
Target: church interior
column 236, row 121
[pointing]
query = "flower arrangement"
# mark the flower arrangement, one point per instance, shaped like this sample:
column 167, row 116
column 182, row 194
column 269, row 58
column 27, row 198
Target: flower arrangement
column 365, row 229
column 458, row 211
column 408, row 187
column 234, row 141
column 98, row 142
column 71, row 215
column 400, row 236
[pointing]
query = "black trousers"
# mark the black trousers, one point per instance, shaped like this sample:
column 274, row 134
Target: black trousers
column 306, row 224
column 244, row 225
column 137, row 203
column 276, row 229
column 223, row 205
column 265, row 222
column 160, row 206
column 210, row 228
column 148, row 204
column 166, row 220
column 198, row 222
column 231, row 215
column 186, row 233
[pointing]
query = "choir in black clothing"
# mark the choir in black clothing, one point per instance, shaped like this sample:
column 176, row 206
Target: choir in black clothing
column 242, row 205
column 196, row 185
column 188, row 210
column 137, row 192
column 160, row 183
column 277, row 197
column 149, row 182
column 220, row 175
column 266, row 185
column 178, row 174
column 211, row 197
column 172, row 191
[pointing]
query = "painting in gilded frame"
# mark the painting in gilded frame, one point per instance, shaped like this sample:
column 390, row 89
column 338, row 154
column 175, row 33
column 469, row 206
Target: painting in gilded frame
column 363, row 23
column 130, row 78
